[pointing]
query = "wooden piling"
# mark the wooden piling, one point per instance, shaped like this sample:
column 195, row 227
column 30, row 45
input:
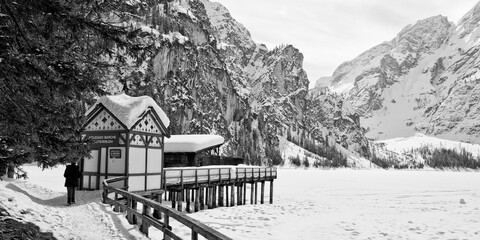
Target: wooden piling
column 173, row 199
column 226, row 196
column 187, row 200
column 251, row 193
column 214, row 196
column 220, row 195
column 239, row 194
column 193, row 194
column 271, row 192
column 232, row 196
column 244, row 193
column 202, row 199
column 208, row 197
column 256, row 188
column 197, row 200
column 262, row 191
column 180, row 201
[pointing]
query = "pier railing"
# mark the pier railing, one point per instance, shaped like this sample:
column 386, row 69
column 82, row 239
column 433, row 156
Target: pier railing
column 209, row 175
column 159, row 218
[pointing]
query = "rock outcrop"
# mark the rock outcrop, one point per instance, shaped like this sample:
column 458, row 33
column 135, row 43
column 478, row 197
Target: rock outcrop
column 209, row 76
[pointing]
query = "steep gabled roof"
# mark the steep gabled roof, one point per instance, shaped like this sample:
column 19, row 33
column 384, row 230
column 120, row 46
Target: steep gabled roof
column 128, row 110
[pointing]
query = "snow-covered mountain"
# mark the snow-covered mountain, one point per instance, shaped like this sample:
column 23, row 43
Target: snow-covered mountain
column 209, row 76
column 424, row 80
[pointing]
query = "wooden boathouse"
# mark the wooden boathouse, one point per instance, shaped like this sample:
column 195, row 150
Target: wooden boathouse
column 126, row 137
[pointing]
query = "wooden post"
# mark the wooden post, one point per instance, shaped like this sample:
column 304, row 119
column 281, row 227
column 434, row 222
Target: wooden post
column 207, row 199
column 156, row 213
column 194, row 235
column 220, row 195
column 239, row 195
column 226, row 196
column 180, row 200
column 251, row 193
column 130, row 215
column 271, row 192
column 167, row 226
column 104, row 195
column 256, row 189
column 144, row 225
column 193, row 194
column 232, row 196
column 116, row 208
column 262, row 192
column 134, row 207
column 197, row 200
column 174, row 200
column 214, row 196
column 245, row 192
column 202, row 198
column 187, row 200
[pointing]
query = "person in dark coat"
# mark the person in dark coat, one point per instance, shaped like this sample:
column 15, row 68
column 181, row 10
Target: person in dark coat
column 72, row 174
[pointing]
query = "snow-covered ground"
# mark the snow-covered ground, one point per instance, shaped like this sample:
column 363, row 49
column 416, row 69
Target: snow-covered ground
column 308, row 204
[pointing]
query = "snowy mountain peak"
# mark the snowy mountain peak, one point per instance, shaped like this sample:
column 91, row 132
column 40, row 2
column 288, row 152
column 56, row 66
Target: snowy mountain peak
column 425, row 34
column 425, row 79
column 228, row 29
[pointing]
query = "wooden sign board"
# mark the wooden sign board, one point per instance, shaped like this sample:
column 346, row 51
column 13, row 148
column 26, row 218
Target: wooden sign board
column 115, row 153
column 102, row 139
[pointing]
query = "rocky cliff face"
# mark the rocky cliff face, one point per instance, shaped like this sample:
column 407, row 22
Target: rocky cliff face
column 209, row 76
column 423, row 80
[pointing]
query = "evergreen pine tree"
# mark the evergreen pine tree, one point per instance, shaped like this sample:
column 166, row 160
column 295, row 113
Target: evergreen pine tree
column 55, row 57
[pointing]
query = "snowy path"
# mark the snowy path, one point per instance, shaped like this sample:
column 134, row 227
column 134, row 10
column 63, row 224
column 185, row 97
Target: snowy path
column 87, row 219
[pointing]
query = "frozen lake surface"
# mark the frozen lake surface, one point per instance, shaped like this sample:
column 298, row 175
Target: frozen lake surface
column 308, row 204
column 359, row 204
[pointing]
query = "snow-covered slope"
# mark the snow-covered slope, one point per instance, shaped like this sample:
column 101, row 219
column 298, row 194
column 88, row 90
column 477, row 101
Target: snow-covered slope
column 407, row 144
column 424, row 80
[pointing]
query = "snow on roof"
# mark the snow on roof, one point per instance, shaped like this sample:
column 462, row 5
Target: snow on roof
column 191, row 143
column 130, row 109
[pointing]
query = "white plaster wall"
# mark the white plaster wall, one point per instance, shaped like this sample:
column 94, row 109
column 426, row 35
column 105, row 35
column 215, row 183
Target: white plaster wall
column 136, row 158
column 153, row 182
column 154, row 161
column 136, row 183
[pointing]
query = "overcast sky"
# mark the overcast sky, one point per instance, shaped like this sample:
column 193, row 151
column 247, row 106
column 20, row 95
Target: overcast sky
column 329, row 32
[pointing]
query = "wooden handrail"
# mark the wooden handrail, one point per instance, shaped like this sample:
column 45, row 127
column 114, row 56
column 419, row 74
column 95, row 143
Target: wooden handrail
column 148, row 220
column 196, row 176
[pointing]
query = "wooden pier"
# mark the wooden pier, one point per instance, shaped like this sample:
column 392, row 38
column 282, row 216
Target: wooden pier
column 196, row 188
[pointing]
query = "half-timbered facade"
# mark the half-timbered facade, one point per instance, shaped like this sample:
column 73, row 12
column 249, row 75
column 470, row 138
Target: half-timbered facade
column 126, row 138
